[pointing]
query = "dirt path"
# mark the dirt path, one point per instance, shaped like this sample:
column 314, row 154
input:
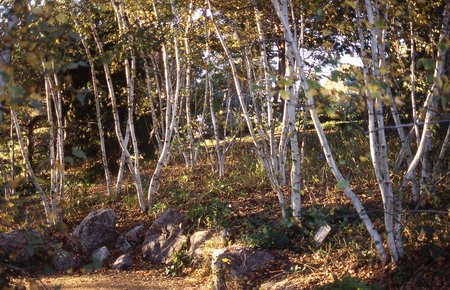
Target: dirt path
column 124, row 280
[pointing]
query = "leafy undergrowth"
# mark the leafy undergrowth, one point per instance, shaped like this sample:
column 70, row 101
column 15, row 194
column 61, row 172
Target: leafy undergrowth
column 244, row 203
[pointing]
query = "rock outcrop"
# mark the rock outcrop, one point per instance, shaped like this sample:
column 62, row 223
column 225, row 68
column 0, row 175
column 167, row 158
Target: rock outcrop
column 96, row 230
column 166, row 236
column 21, row 246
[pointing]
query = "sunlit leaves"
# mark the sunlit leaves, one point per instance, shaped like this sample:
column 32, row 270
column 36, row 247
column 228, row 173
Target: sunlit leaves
column 380, row 24
column 283, row 82
column 284, row 94
column 326, row 32
column 61, row 18
column 352, row 4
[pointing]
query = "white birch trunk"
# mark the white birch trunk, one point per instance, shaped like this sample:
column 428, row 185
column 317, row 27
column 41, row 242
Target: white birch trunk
column 269, row 99
column 53, row 169
column 130, row 74
column 190, row 134
column 291, row 104
column 50, row 216
column 59, row 139
column 98, row 116
column 171, row 109
column 6, row 183
column 118, row 130
column 219, row 153
column 413, row 76
column 13, row 157
column 323, row 140
column 55, row 105
column 396, row 116
column 260, row 152
column 156, row 131
column 381, row 165
column 428, row 105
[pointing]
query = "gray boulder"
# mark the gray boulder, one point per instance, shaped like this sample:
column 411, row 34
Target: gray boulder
column 96, row 230
column 122, row 244
column 123, row 262
column 63, row 260
column 100, row 256
column 165, row 237
column 233, row 263
column 21, row 246
column 202, row 243
column 135, row 235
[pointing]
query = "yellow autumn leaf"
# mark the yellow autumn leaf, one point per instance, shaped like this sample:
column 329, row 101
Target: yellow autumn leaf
column 313, row 92
column 284, row 95
column 226, row 261
column 61, row 18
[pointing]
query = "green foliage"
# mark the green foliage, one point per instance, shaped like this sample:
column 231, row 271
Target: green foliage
column 261, row 232
column 270, row 236
column 79, row 201
column 159, row 207
column 213, row 213
column 180, row 260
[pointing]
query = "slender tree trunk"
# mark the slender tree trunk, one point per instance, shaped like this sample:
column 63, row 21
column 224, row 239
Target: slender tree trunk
column 122, row 162
column 51, row 145
column 189, row 125
column 171, row 109
column 6, row 183
column 396, row 116
column 98, row 118
column 156, row 131
column 380, row 163
column 97, row 108
column 130, row 74
column 269, row 99
column 323, row 140
column 118, row 130
column 13, row 157
column 259, row 150
column 413, row 75
column 59, row 138
column 429, row 106
column 57, row 190
column 50, row 216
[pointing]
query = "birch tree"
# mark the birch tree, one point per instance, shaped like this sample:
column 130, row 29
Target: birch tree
column 120, row 137
column 172, row 98
column 281, row 9
column 95, row 91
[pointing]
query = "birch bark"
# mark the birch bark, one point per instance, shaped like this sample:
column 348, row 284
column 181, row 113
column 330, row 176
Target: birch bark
column 118, row 130
column 171, row 108
column 259, row 150
column 50, row 216
column 97, row 112
column 53, row 169
column 323, row 140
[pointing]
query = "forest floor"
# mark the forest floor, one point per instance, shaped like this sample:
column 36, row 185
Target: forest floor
column 244, row 203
